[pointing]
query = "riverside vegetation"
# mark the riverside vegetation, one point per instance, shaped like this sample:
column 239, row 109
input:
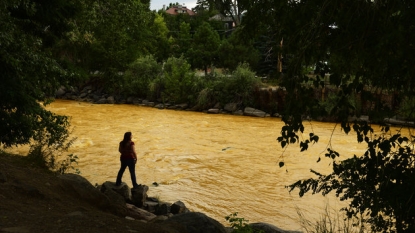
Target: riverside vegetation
column 238, row 86
column 52, row 156
column 45, row 152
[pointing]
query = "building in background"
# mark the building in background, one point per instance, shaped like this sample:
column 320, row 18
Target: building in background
column 179, row 9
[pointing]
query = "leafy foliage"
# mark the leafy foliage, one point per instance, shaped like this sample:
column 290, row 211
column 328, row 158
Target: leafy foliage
column 237, row 87
column 173, row 22
column 243, row 82
column 160, row 48
column 379, row 184
column 30, row 74
column 178, row 80
column 331, row 36
column 204, row 48
column 359, row 46
column 204, row 5
column 182, row 41
column 47, row 151
column 234, row 51
column 110, row 35
column 139, row 75
column 240, row 225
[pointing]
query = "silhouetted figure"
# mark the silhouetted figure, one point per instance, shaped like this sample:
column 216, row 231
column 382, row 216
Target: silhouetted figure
column 128, row 158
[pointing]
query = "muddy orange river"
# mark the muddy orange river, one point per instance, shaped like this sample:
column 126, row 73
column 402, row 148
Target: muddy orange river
column 215, row 164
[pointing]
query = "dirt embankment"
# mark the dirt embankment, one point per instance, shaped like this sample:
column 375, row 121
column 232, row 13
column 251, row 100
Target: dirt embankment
column 33, row 200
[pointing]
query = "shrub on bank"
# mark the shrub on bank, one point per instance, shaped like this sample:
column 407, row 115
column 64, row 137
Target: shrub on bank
column 178, row 80
column 174, row 81
column 240, row 225
column 140, row 74
column 48, row 151
column 237, row 87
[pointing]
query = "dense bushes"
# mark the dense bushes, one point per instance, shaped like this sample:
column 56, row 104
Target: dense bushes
column 236, row 87
column 174, row 81
column 48, row 151
column 178, row 80
column 140, row 74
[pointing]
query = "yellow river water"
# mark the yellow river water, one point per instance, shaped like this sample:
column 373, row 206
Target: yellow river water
column 215, row 164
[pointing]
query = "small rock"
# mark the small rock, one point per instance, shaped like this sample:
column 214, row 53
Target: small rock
column 213, row 110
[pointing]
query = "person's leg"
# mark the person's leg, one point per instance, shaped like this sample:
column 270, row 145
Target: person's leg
column 121, row 172
column 131, row 167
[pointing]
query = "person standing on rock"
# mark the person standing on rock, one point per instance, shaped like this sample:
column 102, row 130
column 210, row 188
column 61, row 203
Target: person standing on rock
column 128, row 158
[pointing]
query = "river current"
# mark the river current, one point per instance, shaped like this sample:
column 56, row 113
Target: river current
column 215, row 164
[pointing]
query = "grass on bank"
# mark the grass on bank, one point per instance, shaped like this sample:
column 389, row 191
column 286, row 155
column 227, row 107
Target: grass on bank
column 330, row 221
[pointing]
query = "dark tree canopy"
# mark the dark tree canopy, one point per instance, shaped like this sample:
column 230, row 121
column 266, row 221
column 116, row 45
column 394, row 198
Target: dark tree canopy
column 29, row 73
column 368, row 42
column 108, row 36
column 204, row 48
column 362, row 46
column 358, row 48
column 48, row 44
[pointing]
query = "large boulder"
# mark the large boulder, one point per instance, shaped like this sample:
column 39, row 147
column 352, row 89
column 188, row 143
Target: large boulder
column 60, row 92
column 117, row 194
column 140, row 214
column 111, row 100
column 231, row 107
column 162, row 209
column 238, row 113
column 254, row 112
column 102, row 100
column 148, row 103
column 195, row 222
column 178, row 208
column 123, row 190
column 213, row 110
column 182, row 106
column 82, row 188
column 139, row 195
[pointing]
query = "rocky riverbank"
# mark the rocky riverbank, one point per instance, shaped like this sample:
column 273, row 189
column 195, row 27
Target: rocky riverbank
column 35, row 200
column 266, row 97
column 269, row 102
